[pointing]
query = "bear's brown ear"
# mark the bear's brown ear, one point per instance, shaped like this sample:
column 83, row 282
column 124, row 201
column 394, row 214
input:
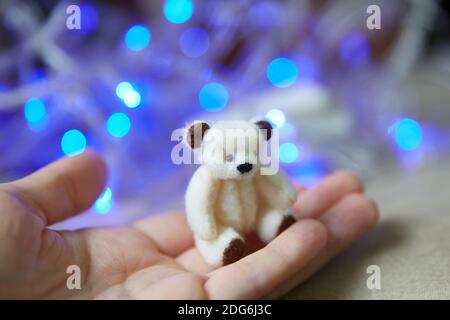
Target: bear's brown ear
column 266, row 128
column 195, row 133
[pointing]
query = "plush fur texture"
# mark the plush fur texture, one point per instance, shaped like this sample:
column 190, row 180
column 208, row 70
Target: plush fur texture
column 227, row 197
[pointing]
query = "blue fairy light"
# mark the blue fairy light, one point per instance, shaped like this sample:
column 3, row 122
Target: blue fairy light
column 213, row 97
column 73, row 142
column 132, row 99
column 104, row 203
column 178, row 11
column 137, row 38
column 408, row 134
column 35, row 111
column 288, row 152
column 118, row 125
column 122, row 88
column 282, row 72
column 354, row 49
column 309, row 171
column 276, row 117
column 194, row 42
column 89, row 18
column 130, row 96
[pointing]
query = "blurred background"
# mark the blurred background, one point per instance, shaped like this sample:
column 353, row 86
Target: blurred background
column 127, row 73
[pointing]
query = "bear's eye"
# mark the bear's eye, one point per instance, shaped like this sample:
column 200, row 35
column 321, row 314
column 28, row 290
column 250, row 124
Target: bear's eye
column 229, row 158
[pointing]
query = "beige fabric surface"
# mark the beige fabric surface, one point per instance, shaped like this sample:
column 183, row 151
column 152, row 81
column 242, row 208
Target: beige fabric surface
column 411, row 244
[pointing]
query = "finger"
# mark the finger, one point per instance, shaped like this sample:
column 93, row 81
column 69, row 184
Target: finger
column 193, row 261
column 347, row 221
column 314, row 202
column 170, row 232
column 65, row 187
column 259, row 273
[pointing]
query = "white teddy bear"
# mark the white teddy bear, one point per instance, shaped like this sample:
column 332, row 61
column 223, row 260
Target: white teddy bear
column 228, row 196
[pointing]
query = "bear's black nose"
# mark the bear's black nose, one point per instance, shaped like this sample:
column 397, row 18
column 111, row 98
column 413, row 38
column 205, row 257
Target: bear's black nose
column 245, row 167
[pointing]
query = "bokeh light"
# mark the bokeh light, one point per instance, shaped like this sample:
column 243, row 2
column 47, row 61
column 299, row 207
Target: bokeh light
column 282, row 72
column 35, row 111
column 194, row 42
column 408, row 134
column 213, row 97
column 73, row 142
column 178, row 11
column 276, row 117
column 132, row 99
column 36, row 74
column 354, row 50
column 89, row 18
column 118, row 125
column 309, row 172
column 104, row 203
column 137, row 38
column 288, row 152
column 122, row 88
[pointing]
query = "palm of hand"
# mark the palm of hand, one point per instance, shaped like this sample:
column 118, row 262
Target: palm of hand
column 155, row 257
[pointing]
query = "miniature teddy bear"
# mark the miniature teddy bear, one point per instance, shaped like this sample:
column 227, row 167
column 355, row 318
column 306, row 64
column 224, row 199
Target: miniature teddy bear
column 228, row 197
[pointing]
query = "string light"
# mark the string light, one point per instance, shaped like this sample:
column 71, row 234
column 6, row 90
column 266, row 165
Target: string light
column 118, row 125
column 168, row 71
column 73, row 142
column 282, row 72
column 178, row 11
column 213, row 97
column 137, row 38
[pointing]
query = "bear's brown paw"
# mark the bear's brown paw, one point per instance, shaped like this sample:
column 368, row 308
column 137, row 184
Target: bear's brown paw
column 234, row 251
column 287, row 221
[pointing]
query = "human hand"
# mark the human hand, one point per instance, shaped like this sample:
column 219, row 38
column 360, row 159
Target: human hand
column 155, row 258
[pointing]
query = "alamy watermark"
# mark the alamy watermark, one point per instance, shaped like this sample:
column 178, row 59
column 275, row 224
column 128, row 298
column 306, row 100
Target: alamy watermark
column 73, row 281
column 73, row 21
column 374, row 20
column 228, row 147
column 373, row 282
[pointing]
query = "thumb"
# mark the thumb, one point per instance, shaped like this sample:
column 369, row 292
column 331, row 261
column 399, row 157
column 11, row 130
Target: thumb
column 65, row 187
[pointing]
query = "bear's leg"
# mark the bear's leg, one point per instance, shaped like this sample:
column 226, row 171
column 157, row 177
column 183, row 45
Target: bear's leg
column 272, row 223
column 227, row 248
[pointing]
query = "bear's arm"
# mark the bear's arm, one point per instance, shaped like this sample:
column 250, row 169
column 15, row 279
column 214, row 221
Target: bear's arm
column 200, row 200
column 276, row 190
